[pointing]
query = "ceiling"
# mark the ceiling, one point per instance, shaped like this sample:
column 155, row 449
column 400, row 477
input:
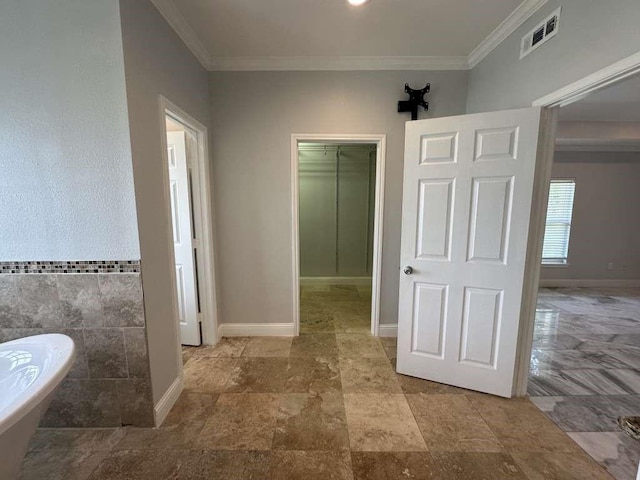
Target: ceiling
column 224, row 33
column 619, row 103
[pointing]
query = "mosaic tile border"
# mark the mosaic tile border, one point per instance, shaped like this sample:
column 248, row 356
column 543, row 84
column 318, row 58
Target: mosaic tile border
column 83, row 266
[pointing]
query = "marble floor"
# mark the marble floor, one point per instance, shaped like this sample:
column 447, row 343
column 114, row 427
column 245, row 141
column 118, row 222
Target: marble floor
column 325, row 405
column 585, row 369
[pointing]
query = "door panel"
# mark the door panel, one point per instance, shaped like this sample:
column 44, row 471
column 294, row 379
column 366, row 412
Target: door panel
column 468, row 185
column 179, row 190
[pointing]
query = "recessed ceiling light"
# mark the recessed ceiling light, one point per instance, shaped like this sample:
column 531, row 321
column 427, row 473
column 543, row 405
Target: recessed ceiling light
column 357, row 3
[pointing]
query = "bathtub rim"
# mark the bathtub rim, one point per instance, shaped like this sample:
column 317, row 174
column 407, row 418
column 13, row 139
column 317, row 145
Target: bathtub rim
column 46, row 383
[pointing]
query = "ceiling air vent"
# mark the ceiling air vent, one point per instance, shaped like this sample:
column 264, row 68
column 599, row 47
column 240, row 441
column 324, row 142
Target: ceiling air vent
column 544, row 31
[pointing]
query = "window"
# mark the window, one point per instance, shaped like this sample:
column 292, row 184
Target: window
column 558, row 227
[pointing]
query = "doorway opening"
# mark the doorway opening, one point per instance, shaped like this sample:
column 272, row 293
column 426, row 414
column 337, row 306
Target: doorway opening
column 585, row 360
column 188, row 194
column 338, row 189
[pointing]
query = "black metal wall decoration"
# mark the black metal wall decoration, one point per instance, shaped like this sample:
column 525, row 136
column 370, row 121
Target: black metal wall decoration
column 416, row 99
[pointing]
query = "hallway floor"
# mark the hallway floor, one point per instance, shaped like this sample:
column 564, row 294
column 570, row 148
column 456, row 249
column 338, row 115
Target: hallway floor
column 317, row 406
column 585, row 369
column 335, row 309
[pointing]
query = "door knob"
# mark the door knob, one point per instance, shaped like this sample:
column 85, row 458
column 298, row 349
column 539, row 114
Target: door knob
column 407, row 270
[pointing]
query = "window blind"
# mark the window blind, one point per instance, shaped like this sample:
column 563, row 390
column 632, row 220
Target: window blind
column 558, row 228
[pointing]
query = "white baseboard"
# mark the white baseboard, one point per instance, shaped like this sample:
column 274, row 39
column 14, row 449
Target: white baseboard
column 311, row 281
column 170, row 397
column 256, row 330
column 388, row 330
column 581, row 282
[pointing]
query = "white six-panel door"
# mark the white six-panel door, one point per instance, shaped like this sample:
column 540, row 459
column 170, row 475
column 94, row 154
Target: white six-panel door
column 180, row 197
column 468, row 184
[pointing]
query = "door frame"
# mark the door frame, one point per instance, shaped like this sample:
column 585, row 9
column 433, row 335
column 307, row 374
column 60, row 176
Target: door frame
column 203, row 224
column 551, row 103
column 380, row 142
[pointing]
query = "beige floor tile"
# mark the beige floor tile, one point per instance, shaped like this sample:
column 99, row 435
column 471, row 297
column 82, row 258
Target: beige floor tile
column 85, row 439
column 314, row 345
column 382, row 422
column 353, row 325
column 391, row 465
column 449, row 423
column 311, row 422
column 258, row 375
column 418, row 385
column 60, row 464
column 390, row 346
column 368, row 375
column 520, row 426
column 178, row 431
column 226, row 347
column 208, row 375
column 241, row 421
column 139, row 465
column 359, row 345
column 268, row 347
column 475, row 466
column 299, row 465
column 225, row 465
column 187, row 353
column 313, row 375
column 560, row 466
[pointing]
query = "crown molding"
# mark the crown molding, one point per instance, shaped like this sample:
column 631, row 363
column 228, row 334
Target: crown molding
column 506, row 28
column 337, row 63
column 180, row 25
column 173, row 16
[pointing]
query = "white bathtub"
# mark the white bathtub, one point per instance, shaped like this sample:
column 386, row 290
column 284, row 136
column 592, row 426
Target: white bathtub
column 30, row 370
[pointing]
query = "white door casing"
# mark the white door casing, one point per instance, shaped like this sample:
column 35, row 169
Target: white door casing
column 468, row 185
column 182, row 229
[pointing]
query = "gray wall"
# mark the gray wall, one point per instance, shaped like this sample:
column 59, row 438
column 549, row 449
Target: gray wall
column 593, row 34
column 65, row 148
column 253, row 117
column 157, row 62
column 605, row 226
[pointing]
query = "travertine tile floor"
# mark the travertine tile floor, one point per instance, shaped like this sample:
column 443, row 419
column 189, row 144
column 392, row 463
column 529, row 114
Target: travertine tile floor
column 325, row 405
column 585, row 369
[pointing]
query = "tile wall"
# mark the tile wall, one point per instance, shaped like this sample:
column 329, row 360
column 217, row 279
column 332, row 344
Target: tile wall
column 101, row 309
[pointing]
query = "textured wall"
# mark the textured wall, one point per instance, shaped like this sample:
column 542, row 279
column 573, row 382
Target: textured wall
column 157, row 62
column 108, row 385
column 605, row 225
column 66, row 188
column 253, row 117
column 593, row 34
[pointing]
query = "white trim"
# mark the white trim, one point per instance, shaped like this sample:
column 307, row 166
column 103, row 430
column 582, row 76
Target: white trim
column 310, row 281
column 338, row 63
column 595, row 282
column 203, row 216
column 376, row 282
column 388, row 330
column 591, row 83
column 597, row 144
column 256, row 330
column 184, row 30
column 535, row 240
column 506, row 28
column 170, row 397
